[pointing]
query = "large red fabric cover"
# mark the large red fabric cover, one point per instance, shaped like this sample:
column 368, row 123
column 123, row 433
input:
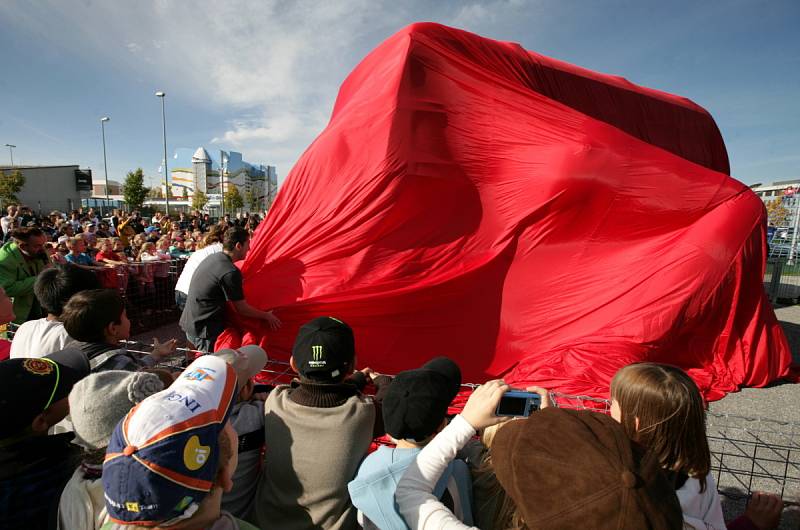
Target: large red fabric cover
column 524, row 216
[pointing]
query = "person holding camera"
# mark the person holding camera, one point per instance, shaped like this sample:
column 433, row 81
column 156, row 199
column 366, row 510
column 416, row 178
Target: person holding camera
column 562, row 468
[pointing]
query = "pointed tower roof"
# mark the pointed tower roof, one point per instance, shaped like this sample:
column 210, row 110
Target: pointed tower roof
column 201, row 155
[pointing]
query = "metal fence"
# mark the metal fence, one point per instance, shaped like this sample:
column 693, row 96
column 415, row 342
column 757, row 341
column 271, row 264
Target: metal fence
column 148, row 289
column 750, row 454
column 782, row 280
column 747, row 454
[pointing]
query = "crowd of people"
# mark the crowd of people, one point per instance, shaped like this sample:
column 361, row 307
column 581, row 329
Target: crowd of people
column 95, row 436
column 126, row 251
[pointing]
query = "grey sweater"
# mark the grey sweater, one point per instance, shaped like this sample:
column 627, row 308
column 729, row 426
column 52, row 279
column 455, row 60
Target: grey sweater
column 312, row 453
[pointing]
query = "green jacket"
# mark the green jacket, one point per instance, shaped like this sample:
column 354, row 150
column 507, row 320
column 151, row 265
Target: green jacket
column 17, row 276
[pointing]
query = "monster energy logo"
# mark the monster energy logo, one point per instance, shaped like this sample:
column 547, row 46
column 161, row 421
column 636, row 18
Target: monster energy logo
column 316, row 353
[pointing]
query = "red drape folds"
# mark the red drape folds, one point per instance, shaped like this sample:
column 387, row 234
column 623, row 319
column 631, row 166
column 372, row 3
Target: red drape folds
column 522, row 215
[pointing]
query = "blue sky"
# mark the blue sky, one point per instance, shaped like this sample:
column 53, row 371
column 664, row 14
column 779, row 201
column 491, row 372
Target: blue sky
column 260, row 77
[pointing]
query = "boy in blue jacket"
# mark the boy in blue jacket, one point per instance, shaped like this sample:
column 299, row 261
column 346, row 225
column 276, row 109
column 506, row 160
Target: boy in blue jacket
column 414, row 410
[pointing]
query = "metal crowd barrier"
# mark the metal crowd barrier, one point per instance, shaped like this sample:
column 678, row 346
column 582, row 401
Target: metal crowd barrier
column 782, row 280
column 747, row 454
column 148, row 289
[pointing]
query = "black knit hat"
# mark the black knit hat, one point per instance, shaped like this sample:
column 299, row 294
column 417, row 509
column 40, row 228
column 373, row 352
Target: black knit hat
column 28, row 387
column 324, row 349
column 417, row 400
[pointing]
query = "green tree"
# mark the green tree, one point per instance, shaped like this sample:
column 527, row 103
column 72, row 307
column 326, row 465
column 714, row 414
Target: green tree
column 10, row 184
column 250, row 200
column 199, row 200
column 185, row 193
column 134, row 190
column 233, row 199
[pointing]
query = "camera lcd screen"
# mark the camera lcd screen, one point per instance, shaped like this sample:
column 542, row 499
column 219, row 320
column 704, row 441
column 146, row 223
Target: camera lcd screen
column 512, row 406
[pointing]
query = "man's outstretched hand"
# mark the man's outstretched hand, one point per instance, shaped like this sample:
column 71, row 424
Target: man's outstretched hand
column 272, row 321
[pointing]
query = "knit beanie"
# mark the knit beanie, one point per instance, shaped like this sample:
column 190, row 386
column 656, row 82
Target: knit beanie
column 569, row 469
column 98, row 402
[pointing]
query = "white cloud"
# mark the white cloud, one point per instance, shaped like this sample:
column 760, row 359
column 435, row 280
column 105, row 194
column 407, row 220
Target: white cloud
column 282, row 128
column 272, row 67
column 472, row 14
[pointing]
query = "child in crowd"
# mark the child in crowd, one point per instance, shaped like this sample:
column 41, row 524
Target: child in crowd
column 77, row 253
column 53, row 288
column 414, row 410
column 136, row 244
column 178, row 248
column 96, row 404
column 56, row 257
column 145, row 274
column 162, row 248
column 323, row 415
column 155, row 276
column 62, row 250
column 91, row 248
column 96, row 319
column 562, row 468
column 121, row 250
column 34, row 466
column 247, row 419
column 107, row 254
column 661, row 408
column 115, row 276
column 196, row 449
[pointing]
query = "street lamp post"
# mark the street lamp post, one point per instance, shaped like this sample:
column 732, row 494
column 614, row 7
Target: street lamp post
column 222, row 180
column 11, row 152
column 164, row 126
column 103, row 121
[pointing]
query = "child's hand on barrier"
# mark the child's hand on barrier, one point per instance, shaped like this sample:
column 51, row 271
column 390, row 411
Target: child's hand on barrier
column 544, row 393
column 764, row 510
column 479, row 410
column 163, row 351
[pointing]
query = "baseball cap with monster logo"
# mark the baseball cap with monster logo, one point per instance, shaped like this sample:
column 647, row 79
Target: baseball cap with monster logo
column 163, row 456
column 324, row 349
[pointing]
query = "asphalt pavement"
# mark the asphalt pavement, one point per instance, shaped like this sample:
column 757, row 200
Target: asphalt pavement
column 779, row 401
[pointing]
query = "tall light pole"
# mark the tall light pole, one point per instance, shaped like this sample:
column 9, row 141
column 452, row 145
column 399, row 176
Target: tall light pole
column 11, row 152
column 222, row 180
column 164, row 125
column 103, row 121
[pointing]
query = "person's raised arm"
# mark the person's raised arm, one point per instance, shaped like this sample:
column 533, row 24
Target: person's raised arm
column 419, row 507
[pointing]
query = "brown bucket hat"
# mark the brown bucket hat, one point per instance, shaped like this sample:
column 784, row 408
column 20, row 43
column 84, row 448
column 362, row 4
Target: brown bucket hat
column 569, row 469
